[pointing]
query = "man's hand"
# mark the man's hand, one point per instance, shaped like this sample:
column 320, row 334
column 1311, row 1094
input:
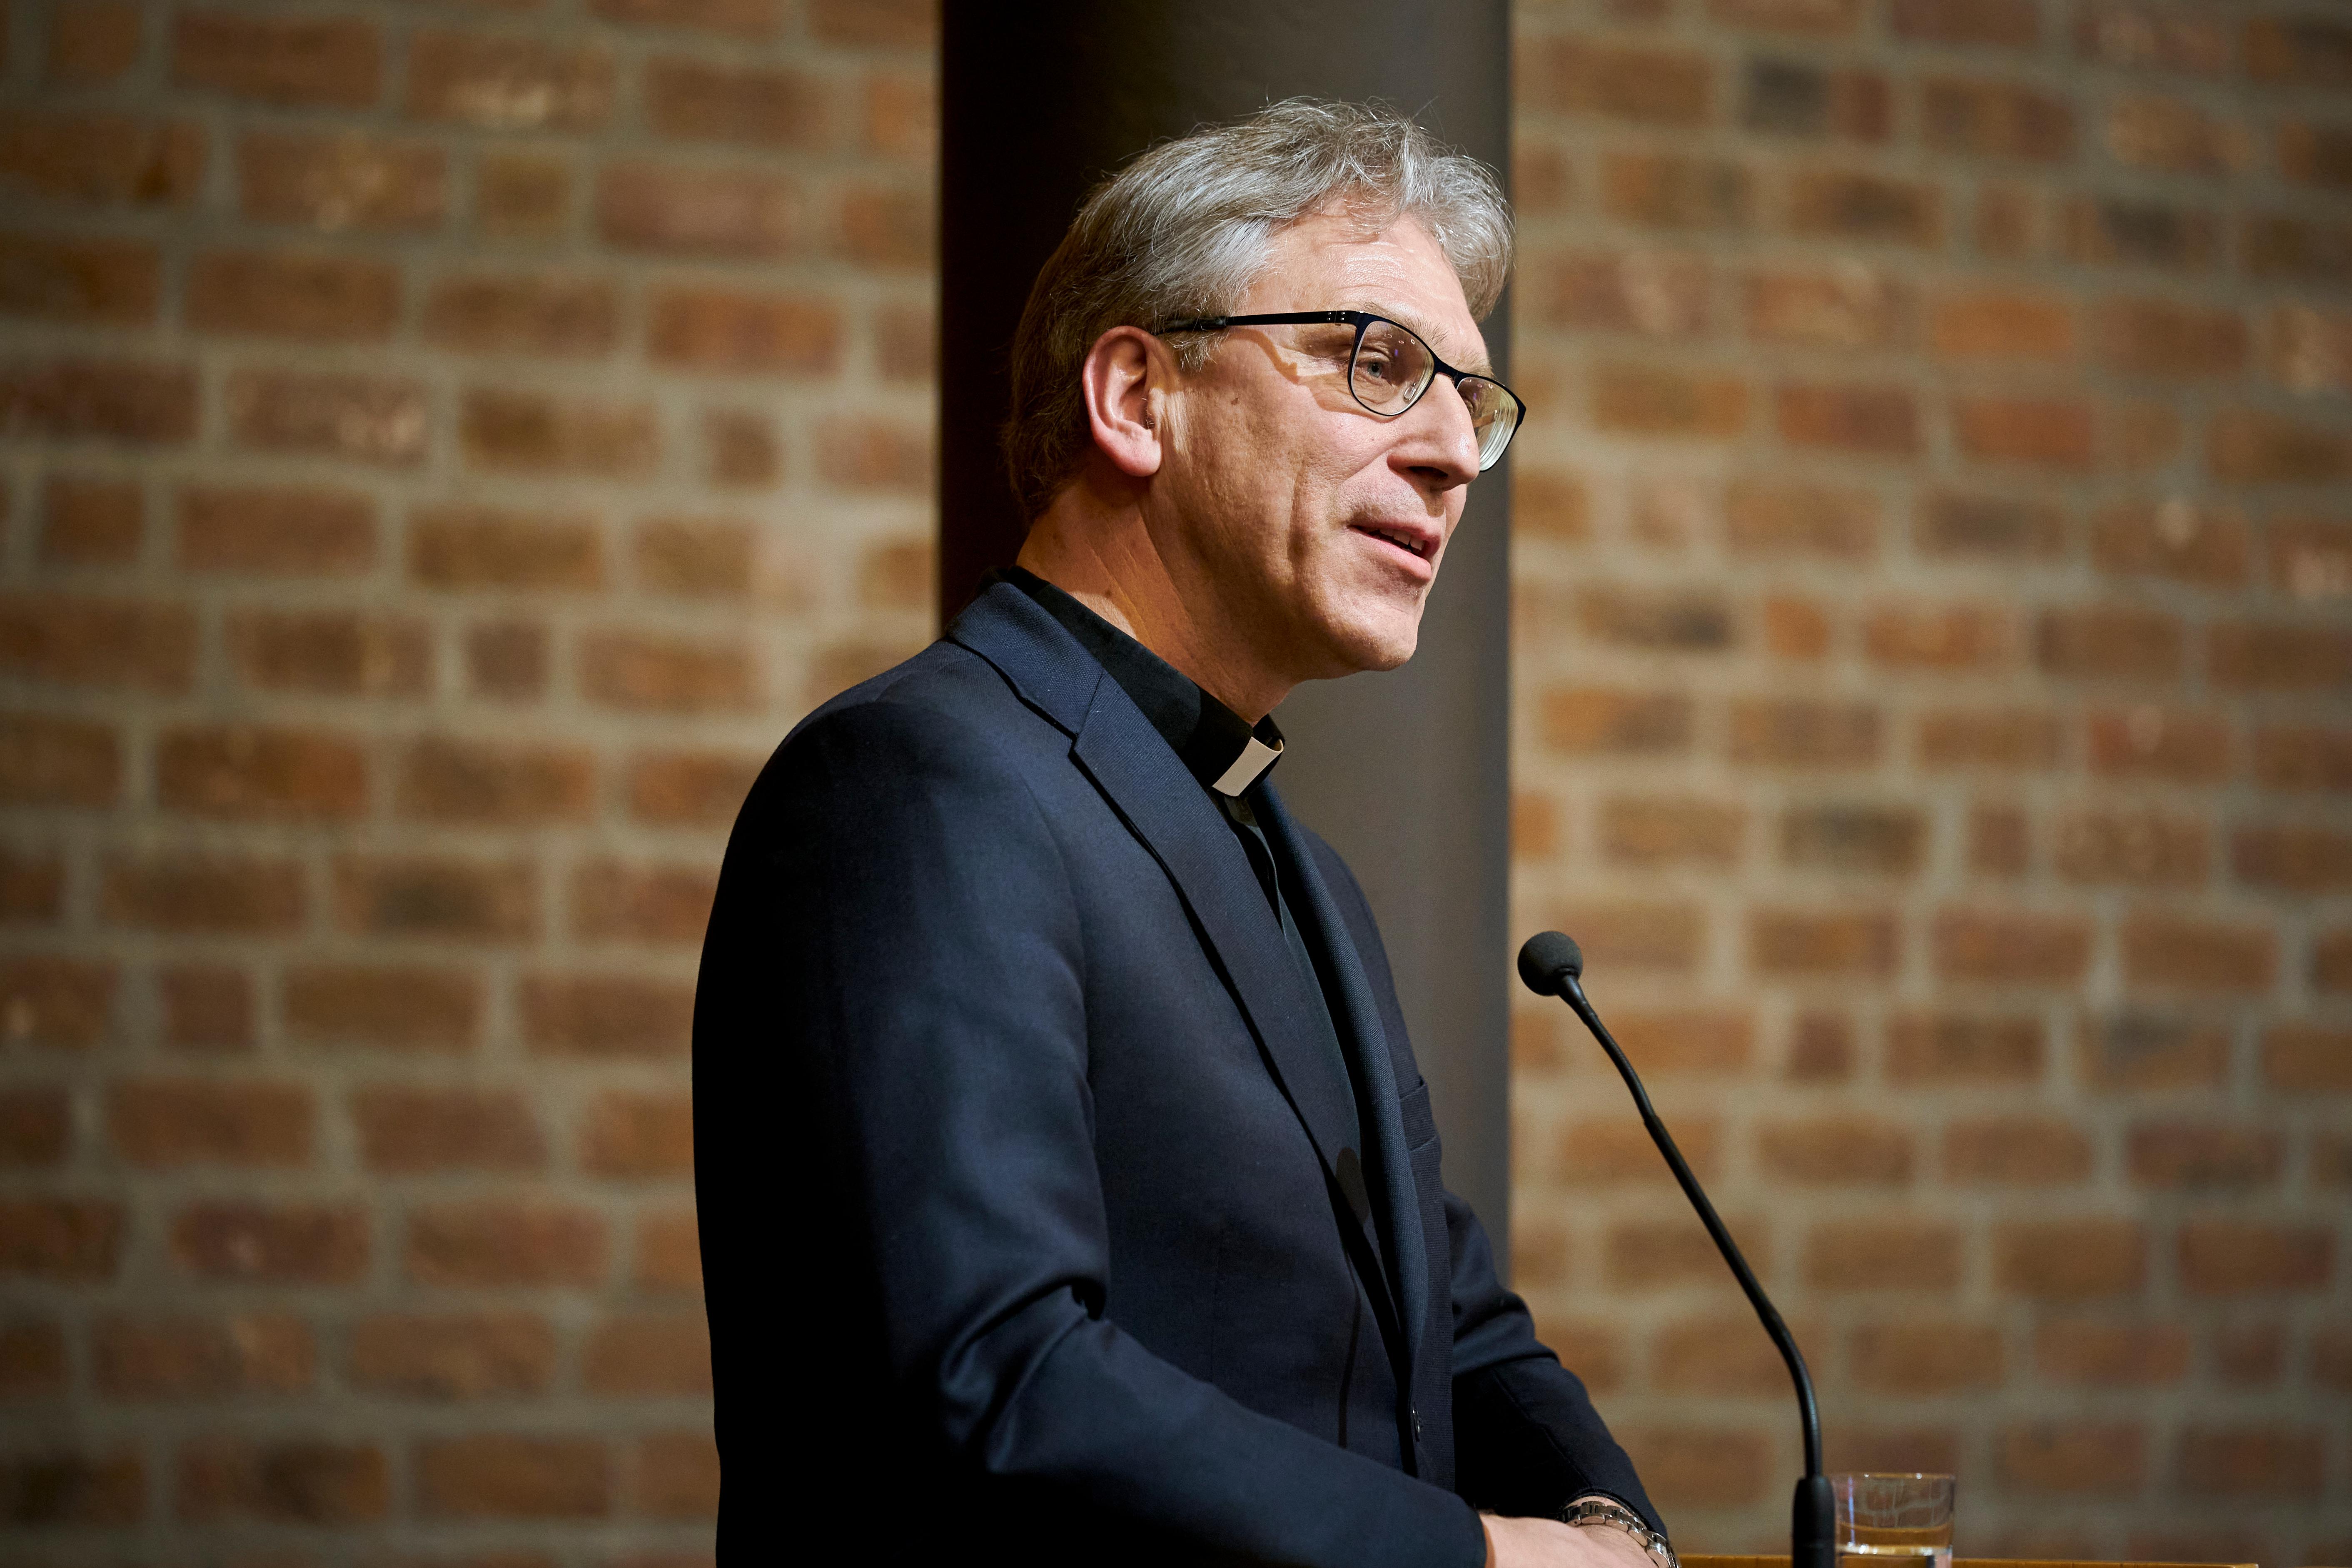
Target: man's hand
column 1548, row 1543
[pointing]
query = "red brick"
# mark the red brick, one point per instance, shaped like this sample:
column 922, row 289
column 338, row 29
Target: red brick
column 105, row 159
column 1658, row 294
column 59, row 1239
column 55, row 1002
column 883, row 227
column 642, row 672
column 363, row 418
column 698, row 101
column 538, row 433
column 2044, row 432
column 716, row 558
column 1637, row 934
column 2331, row 1356
column 2004, row 738
column 142, row 646
column 1817, row 18
column 512, row 1476
column 2296, row 858
column 116, row 400
column 202, row 1358
column 2016, row 1150
column 2331, row 961
column 637, row 1136
column 329, row 62
column 690, row 789
column 276, row 531
column 2175, row 136
column 2305, row 1058
column 731, row 18
column 191, row 894
column 32, row 887
column 341, row 182
column 742, row 448
column 1883, row 420
column 295, row 1481
column 1852, row 307
column 668, row 1252
column 90, row 521
column 2311, row 558
column 92, row 41
column 2111, row 642
column 1795, row 628
column 2312, row 51
column 2154, row 742
column 1964, row 1049
column 2170, row 953
column 857, row 453
column 406, row 1129
column 295, row 1243
column 2252, row 446
column 2304, row 758
column 1674, row 190
column 1895, row 1253
column 392, row 1008
column 875, row 24
column 2235, row 1258
column 2007, row 222
column 1719, row 1355
column 206, row 1008
column 334, row 652
column 606, row 1016
column 2310, row 348
column 547, row 313
column 1851, row 205
column 31, row 1366
column 615, row 901
column 491, row 1242
column 2001, row 840
column 481, row 1355
column 1652, row 830
column 35, row 1131
column 46, row 760
column 1941, row 638
column 1801, row 100
column 2252, row 1461
column 277, row 775
column 484, row 783
column 2152, row 1052
column 1646, row 85
column 1665, row 1254
column 2154, row 38
column 1799, row 732
column 317, row 298
column 1792, row 942
column 2011, row 946
column 166, row 1123
column 2148, row 848
column 648, row 1355
column 720, row 329
column 1703, row 1467
column 522, row 196
column 2112, row 1355
column 465, row 546
column 52, row 1485
column 2254, row 656
column 1684, row 620
column 1995, row 120
column 504, row 81
column 679, row 210
column 1927, row 1358
column 1956, row 524
column 901, row 119
column 2073, row 1459
column 2002, row 326
column 2208, row 546
column 1610, row 1152
column 2170, row 339
column 2312, row 154
column 676, row 1475
column 507, row 661
column 2125, row 231
column 1837, row 1151
column 2069, row 1259
column 1653, row 401
column 2202, row 1156
column 443, row 897
column 86, row 280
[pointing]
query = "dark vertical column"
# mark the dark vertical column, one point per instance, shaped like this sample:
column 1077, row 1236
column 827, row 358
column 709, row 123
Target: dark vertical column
column 1407, row 773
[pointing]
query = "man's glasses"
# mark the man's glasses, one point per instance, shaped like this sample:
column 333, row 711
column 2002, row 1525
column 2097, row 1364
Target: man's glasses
column 1388, row 367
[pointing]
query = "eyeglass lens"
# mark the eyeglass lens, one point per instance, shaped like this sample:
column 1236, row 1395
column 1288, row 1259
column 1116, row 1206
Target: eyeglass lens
column 1393, row 368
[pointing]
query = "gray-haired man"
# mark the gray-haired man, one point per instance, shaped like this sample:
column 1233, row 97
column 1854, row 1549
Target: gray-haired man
column 1114, row 1191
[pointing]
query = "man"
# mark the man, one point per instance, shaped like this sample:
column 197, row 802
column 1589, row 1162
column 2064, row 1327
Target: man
column 1066, row 1180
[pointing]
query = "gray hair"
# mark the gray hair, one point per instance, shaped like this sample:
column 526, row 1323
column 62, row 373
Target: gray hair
column 1185, row 229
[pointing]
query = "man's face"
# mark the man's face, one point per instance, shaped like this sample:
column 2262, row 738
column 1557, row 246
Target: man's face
column 1317, row 524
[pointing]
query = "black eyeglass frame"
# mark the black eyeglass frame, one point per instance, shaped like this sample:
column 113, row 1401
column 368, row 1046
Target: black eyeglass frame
column 1362, row 320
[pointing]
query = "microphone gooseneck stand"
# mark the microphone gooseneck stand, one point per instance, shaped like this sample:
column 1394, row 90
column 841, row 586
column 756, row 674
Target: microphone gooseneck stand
column 1552, row 965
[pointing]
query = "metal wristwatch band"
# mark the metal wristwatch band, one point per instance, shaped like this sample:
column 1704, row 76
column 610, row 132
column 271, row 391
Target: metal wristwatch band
column 1604, row 1510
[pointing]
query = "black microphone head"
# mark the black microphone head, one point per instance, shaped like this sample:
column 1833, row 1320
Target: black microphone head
column 1549, row 959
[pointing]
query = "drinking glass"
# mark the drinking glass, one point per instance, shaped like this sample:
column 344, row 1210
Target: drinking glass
column 1882, row 1517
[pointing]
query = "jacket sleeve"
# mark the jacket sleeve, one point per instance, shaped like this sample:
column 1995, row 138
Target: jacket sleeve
column 904, row 919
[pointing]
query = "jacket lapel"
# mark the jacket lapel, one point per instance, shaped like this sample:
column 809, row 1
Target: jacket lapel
column 1366, row 1040
column 1167, row 808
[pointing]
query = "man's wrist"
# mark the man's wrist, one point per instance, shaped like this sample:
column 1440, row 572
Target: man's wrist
column 1598, row 1510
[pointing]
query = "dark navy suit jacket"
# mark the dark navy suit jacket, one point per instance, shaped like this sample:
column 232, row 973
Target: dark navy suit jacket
column 1022, row 1163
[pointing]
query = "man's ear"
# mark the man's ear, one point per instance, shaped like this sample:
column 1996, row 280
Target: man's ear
column 1125, row 379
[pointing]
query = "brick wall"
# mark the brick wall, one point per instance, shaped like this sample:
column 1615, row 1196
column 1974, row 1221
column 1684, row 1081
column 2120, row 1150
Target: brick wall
column 445, row 446
column 1933, row 704
column 442, row 449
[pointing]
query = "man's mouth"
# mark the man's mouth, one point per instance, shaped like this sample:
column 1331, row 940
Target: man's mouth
column 1410, row 543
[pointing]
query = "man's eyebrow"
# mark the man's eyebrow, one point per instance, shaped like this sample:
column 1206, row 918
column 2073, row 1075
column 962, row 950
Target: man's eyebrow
column 1428, row 333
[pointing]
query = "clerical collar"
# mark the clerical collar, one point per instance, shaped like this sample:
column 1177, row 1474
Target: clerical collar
column 1217, row 746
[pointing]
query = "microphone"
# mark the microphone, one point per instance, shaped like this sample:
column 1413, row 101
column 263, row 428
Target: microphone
column 1551, row 964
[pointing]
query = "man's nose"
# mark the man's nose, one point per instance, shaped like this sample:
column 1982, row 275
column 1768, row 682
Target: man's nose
column 1445, row 438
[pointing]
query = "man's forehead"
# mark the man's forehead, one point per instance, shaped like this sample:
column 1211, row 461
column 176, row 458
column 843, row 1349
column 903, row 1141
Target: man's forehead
column 1396, row 271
